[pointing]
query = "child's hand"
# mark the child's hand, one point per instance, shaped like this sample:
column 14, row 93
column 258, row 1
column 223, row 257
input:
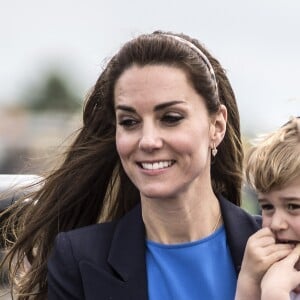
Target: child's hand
column 281, row 278
column 261, row 252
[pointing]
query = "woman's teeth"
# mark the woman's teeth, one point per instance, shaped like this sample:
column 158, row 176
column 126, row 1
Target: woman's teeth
column 157, row 165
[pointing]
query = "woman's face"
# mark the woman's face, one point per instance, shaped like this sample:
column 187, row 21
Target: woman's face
column 164, row 132
column 281, row 211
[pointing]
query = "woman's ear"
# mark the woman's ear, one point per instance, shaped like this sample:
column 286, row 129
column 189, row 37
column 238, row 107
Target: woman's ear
column 218, row 126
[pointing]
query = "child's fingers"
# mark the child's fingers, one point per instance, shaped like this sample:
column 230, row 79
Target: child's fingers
column 272, row 252
column 266, row 231
column 285, row 258
column 279, row 247
column 279, row 254
column 297, row 249
column 293, row 257
column 261, row 238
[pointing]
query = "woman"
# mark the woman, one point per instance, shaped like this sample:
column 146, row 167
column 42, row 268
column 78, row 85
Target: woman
column 157, row 158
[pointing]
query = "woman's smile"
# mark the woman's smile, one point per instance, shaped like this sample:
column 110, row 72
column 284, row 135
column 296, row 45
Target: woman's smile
column 156, row 165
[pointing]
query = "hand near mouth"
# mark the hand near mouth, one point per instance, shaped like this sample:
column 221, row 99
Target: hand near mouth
column 282, row 278
column 262, row 251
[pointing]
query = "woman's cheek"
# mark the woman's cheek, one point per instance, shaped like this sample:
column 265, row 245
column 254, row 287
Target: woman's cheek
column 124, row 144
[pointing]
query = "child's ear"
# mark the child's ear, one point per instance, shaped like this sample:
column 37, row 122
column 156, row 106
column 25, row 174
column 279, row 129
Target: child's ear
column 218, row 126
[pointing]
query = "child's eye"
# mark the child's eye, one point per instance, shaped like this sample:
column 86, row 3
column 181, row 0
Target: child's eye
column 266, row 207
column 293, row 206
column 172, row 118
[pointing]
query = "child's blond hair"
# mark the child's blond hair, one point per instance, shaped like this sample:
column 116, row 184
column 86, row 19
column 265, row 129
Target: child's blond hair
column 275, row 159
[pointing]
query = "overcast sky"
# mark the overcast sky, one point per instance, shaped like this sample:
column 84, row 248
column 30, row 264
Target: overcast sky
column 257, row 42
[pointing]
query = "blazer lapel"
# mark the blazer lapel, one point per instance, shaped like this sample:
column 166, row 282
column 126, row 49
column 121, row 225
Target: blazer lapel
column 239, row 225
column 127, row 254
column 100, row 284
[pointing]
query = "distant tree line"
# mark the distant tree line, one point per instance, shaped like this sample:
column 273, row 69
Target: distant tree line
column 53, row 93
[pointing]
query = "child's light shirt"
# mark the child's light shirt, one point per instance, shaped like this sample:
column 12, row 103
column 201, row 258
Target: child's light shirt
column 295, row 296
column 198, row 270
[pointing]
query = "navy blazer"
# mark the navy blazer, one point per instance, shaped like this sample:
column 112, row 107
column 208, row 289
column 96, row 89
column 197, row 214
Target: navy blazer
column 107, row 261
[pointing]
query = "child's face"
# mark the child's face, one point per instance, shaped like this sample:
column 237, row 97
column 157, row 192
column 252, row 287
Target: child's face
column 281, row 212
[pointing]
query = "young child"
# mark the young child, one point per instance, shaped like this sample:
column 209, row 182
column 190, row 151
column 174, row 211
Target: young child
column 271, row 261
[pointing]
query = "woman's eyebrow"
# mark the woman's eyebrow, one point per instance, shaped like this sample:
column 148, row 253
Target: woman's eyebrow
column 167, row 104
column 158, row 107
column 126, row 108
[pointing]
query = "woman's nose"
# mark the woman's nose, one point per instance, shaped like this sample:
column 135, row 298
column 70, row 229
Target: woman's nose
column 150, row 139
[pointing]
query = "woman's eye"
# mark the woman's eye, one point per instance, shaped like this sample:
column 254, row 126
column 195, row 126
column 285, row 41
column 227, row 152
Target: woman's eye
column 172, row 119
column 127, row 123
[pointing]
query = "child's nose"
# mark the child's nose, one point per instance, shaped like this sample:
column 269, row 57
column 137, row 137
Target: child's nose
column 278, row 222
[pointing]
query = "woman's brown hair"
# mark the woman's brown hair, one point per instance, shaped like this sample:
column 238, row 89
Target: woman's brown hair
column 91, row 185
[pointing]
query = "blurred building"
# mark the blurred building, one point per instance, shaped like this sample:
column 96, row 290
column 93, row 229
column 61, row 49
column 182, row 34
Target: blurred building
column 29, row 141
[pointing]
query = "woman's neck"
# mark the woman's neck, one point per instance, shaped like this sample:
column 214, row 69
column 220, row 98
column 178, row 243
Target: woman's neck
column 175, row 221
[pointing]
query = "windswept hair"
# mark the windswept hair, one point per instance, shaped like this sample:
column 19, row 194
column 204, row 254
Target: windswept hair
column 91, row 185
column 275, row 160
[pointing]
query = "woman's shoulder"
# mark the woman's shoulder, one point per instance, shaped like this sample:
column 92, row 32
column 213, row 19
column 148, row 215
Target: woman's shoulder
column 91, row 230
column 238, row 216
column 98, row 238
column 86, row 242
column 94, row 244
column 101, row 230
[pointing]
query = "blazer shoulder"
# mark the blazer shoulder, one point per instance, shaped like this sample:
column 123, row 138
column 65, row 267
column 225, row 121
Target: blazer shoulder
column 239, row 216
column 101, row 230
column 90, row 243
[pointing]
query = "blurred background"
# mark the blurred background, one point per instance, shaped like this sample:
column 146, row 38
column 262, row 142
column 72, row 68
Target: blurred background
column 53, row 51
